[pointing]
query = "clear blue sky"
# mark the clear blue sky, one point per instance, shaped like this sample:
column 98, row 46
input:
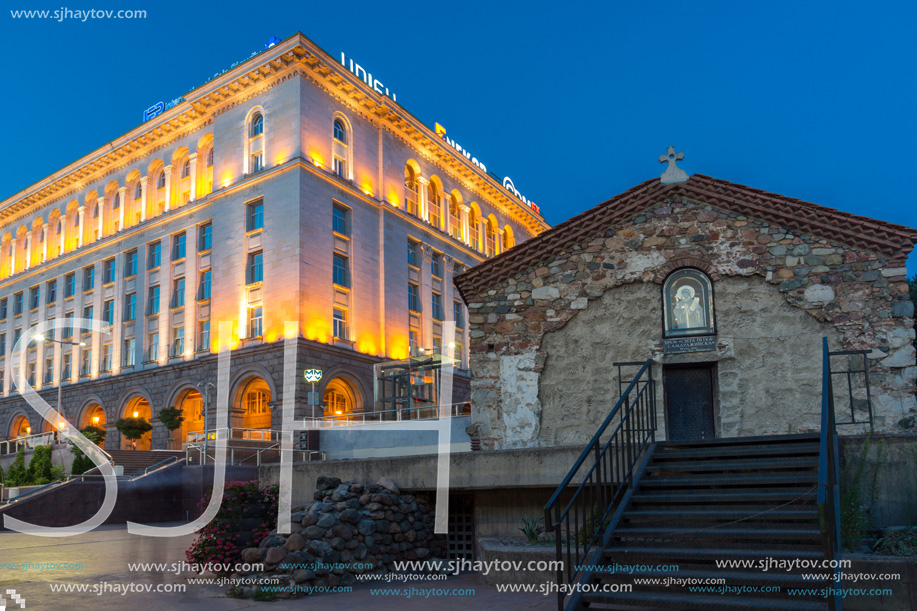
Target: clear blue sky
column 575, row 101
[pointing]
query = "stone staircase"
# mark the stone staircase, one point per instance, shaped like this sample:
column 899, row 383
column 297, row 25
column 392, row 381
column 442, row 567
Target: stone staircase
column 751, row 499
column 135, row 461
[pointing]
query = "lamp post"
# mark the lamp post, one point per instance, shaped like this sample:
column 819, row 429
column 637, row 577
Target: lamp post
column 60, row 382
column 205, row 389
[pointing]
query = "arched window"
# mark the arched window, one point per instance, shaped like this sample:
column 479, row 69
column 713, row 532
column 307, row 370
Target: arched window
column 255, row 405
column 186, row 169
column 434, row 205
column 509, row 240
column 340, row 134
column 138, row 191
column 95, row 211
column 210, row 158
column 161, row 180
column 338, row 399
column 257, row 127
column 490, row 239
column 410, row 190
column 474, row 223
column 687, row 301
column 455, row 220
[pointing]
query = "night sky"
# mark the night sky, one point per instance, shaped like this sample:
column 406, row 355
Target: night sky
column 574, row 101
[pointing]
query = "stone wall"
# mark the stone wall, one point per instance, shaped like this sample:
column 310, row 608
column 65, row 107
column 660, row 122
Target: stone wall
column 543, row 376
column 349, row 529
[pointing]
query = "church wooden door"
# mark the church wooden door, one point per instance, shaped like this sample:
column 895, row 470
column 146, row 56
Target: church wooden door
column 689, row 402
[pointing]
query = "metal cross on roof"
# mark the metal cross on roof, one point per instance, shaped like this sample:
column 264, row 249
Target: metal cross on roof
column 673, row 173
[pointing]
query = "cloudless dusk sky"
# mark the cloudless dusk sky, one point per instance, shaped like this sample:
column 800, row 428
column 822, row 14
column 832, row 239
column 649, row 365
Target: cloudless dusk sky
column 575, row 101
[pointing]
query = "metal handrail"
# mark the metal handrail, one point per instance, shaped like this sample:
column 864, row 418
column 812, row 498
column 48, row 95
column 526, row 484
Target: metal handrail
column 609, row 475
column 18, row 496
column 829, row 500
column 175, row 458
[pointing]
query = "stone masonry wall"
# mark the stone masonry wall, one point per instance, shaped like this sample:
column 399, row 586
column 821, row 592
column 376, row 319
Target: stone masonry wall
column 851, row 295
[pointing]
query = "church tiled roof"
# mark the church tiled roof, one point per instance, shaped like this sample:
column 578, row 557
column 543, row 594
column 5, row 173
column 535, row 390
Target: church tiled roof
column 888, row 239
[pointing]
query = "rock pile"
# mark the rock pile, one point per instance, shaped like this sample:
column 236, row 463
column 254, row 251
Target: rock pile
column 349, row 529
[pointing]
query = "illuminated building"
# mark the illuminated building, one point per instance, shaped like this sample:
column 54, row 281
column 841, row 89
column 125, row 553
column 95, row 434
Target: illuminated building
column 289, row 187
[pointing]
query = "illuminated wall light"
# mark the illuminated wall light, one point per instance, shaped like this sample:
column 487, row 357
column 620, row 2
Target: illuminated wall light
column 280, row 159
column 227, row 180
column 394, row 200
column 61, row 425
column 95, row 419
column 316, row 161
column 136, row 414
column 28, row 430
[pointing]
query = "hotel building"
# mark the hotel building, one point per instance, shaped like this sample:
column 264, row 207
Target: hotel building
column 289, row 187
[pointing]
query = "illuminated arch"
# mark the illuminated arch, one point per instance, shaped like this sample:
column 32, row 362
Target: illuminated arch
column 342, row 148
column 205, row 165
column 133, row 197
column 412, row 187
column 339, row 399
column 435, row 202
column 140, row 405
column 53, row 236
column 509, row 238
column 112, row 212
column 19, row 427
column 490, row 235
column 155, row 188
column 454, row 220
column 181, row 177
column 185, row 396
column 70, row 227
column 254, row 143
column 5, row 246
column 90, row 217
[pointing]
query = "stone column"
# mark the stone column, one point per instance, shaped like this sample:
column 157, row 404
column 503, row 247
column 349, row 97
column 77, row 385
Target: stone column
column 466, row 239
column 96, row 338
column 44, row 242
column 193, row 191
column 117, row 326
column 28, row 249
column 498, row 239
column 59, row 316
column 191, row 285
column 82, row 219
column 144, row 182
column 165, row 297
column 122, row 205
column 422, row 197
column 101, row 227
column 62, row 241
column 168, row 203
column 426, row 296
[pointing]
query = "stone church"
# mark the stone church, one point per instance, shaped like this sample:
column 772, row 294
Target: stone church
column 727, row 288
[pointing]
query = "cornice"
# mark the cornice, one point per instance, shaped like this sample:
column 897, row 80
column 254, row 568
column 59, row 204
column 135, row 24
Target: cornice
column 296, row 56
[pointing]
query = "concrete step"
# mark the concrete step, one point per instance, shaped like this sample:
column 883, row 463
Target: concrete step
column 694, row 601
column 729, row 479
column 738, row 465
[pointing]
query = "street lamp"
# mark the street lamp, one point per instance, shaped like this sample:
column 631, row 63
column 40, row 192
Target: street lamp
column 60, row 383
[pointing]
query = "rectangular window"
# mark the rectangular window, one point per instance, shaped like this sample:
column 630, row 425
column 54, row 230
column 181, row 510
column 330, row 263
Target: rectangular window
column 459, row 354
column 255, row 320
column 130, row 263
column 152, row 302
column 52, row 291
column 340, row 323
column 153, row 350
column 86, row 362
column 340, row 272
column 204, row 288
column 254, row 215
column 437, row 306
column 34, row 298
column 3, row 308
column 178, row 292
column 108, row 311
column 89, row 278
column 178, row 246
column 17, row 333
column 258, row 161
column 108, row 271
column 178, row 341
column 413, row 297
column 155, row 255
column 254, row 270
column 69, row 285
column 67, row 367
column 17, row 304
column 31, row 373
column 340, row 220
column 67, row 332
column 435, row 211
column 414, row 342
column 130, row 306
column 203, row 335
column 339, row 167
column 128, row 352
column 105, row 364
column 437, row 344
column 458, row 314
column 205, row 237
column 413, row 253
column 87, row 313
column 2, row 345
column 436, row 267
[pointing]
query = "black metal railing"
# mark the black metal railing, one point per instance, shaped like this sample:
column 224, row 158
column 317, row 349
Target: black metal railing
column 577, row 517
column 852, row 371
column 829, row 494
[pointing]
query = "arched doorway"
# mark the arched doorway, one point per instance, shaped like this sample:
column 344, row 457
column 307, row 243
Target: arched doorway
column 256, row 413
column 94, row 416
column 340, row 401
column 191, row 405
column 20, row 427
column 138, row 407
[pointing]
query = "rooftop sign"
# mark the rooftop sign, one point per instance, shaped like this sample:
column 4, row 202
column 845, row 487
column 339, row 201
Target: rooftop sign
column 367, row 77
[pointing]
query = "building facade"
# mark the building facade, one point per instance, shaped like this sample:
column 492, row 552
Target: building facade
column 728, row 290
column 284, row 189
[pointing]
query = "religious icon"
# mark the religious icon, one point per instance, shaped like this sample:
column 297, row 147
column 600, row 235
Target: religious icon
column 688, row 304
column 688, row 311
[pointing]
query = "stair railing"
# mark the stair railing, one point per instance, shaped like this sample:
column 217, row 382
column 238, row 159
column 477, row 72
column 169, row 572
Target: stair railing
column 606, row 469
column 829, row 494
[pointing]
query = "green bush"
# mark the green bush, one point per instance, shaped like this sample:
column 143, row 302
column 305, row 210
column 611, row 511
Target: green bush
column 17, row 474
column 40, row 467
column 133, row 428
